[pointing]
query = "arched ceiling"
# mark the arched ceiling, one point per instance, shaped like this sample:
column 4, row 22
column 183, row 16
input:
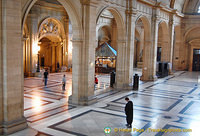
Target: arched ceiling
column 184, row 6
column 191, row 6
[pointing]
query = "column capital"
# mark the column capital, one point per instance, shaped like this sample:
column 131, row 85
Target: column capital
column 171, row 22
column 171, row 19
column 156, row 19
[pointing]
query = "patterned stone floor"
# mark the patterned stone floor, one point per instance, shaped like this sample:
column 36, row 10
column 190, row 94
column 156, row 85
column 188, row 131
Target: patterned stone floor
column 168, row 104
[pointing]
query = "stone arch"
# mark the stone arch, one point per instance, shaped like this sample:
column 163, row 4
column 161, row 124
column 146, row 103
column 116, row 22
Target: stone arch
column 192, row 41
column 146, row 24
column 118, row 18
column 77, row 32
column 147, row 43
column 165, row 29
column 189, row 30
column 120, row 43
column 101, row 11
column 71, row 11
column 144, row 19
column 107, row 31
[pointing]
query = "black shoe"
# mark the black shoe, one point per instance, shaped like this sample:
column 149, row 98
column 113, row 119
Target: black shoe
column 127, row 125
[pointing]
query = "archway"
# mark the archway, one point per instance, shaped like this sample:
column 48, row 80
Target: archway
column 49, row 34
column 192, row 49
column 143, row 22
column 105, row 55
column 139, row 43
column 137, row 50
column 108, row 37
column 53, row 52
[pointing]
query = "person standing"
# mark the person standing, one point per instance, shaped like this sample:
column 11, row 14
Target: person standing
column 129, row 112
column 63, row 83
column 45, row 77
column 58, row 67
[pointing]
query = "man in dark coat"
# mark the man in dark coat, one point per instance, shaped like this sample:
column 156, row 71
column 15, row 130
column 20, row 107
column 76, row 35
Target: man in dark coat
column 129, row 112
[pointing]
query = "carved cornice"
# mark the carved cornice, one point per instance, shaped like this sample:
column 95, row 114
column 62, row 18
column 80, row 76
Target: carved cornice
column 159, row 5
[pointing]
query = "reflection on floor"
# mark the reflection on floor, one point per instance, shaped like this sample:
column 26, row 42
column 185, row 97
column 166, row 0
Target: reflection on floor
column 168, row 104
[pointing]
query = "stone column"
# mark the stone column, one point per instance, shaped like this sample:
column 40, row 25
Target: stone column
column 83, row 67
column 126, row 53
column 53, row 63
column 171, row 47
column 120, row 64
column 33, row 26
column 190, row 56
column 150, row 50
column 24, row 42
column 11, row 69
column 66, row 41
column 130, row 45
column 1, row 73
column 65, row 62
column 153, row 56
column 147, row 51
column 27, row 55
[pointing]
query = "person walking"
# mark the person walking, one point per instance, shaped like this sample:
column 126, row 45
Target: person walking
column 45, row 77
column 129, row 112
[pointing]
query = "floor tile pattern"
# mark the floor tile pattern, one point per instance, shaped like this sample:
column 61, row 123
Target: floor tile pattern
column 168, row 104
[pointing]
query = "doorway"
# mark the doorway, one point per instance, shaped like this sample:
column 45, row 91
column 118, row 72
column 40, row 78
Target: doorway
column 196, row 60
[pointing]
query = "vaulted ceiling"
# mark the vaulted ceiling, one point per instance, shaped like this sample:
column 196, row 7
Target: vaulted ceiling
column 184, row 6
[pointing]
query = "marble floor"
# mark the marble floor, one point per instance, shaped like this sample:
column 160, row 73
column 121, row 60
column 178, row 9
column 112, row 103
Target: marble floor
column 167, row 107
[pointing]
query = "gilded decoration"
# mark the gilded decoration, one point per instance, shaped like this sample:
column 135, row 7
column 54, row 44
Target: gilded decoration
column 49, row 26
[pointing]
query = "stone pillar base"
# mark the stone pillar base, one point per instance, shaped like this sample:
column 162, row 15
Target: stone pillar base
column 13, row 126
column 170, row 72
column 82, row 101
column 152, row 78
column 122, row 87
